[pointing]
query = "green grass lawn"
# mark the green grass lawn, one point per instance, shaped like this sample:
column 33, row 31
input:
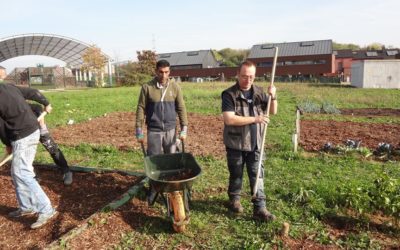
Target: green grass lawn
column 304, row 190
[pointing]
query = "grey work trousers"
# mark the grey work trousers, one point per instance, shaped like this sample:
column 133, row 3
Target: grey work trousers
column 163, row 142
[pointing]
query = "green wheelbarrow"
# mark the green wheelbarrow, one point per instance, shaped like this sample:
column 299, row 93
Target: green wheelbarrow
column 172, row 175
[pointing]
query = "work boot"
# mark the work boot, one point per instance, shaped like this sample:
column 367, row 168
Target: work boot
column 67, row 178
column 235, row 206
column 43, row 219
column 263, row 214
column 19, row 213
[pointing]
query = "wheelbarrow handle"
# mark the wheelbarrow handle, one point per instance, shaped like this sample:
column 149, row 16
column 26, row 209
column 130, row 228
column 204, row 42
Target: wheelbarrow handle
column 143, row 148
column 183, row 146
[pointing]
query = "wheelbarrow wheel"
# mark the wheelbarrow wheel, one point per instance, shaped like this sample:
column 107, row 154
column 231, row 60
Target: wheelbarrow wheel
column 178, row 207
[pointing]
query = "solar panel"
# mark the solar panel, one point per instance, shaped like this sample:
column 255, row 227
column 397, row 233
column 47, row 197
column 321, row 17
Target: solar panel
column 392, row 52
column 372, row 53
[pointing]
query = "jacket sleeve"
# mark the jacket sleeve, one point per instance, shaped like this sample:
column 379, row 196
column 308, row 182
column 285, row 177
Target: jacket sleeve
column 36, row 108
column 180, row 107
column 3, row 134
column 33, row 95
column 141, row 107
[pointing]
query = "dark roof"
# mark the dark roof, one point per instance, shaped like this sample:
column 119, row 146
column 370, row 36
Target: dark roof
column 367, row 54
column 185, row 57
column 320, row 47
column 343, row 53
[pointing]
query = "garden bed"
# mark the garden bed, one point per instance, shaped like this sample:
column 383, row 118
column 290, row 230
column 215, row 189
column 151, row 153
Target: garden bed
column 316, row 133
column 117, row 129
column 89, row 192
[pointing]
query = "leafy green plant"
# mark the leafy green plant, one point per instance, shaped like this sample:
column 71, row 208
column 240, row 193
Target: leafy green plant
column 359, row 241
column 355, row 197
column 385, row 195
column 329, row 108
column 309, row 106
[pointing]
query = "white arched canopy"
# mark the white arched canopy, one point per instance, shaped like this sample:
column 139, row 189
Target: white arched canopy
column 60, row 47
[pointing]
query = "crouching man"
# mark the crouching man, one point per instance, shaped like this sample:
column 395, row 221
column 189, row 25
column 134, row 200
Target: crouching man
column 19, row 131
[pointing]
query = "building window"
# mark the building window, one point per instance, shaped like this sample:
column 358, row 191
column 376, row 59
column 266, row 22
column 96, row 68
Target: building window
column 264, row 64
column 319, row 61
column 306, row 44
column 269, row 64
column 288, row 63
column 340, row 66
column 267, row 46
column 193, row 53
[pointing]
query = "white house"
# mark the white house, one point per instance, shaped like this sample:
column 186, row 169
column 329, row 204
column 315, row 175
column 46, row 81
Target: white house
column 376, row 74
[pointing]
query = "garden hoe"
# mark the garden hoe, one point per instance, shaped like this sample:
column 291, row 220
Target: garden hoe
column 6, row 158
column 265, row 127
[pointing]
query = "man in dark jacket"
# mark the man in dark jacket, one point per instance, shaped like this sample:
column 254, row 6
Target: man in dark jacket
column 19, row 131
column 244, row 107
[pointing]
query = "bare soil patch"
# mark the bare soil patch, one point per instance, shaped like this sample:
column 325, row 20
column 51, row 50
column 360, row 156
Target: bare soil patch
column 118, row 129
column 88, row 193
column 314, row 134
column 371, row 112
column 205, row 132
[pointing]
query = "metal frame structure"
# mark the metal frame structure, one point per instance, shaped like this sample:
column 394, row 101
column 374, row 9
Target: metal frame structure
column 63, row 48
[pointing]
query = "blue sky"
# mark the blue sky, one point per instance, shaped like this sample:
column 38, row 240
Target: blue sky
column 120, row 28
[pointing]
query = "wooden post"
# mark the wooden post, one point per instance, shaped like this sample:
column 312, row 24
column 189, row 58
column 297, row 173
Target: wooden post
column 295, row 142
column 296, row 135
column 298, row 123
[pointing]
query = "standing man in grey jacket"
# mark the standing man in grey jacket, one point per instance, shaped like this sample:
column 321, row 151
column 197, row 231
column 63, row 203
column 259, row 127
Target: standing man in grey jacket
column 244, row 107
column 160, row 102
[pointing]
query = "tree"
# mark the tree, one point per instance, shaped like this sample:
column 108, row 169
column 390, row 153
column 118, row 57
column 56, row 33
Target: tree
column 140, row 72
column 130, row 75
column 147, row 60
column 95, row 61
column 375, row 46
column 233, row 57
column 340, row 46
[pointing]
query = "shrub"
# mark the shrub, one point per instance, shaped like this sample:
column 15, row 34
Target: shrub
column 308, row 106
column 329, row 108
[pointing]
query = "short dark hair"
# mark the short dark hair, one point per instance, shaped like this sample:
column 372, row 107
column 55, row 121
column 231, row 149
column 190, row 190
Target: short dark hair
column 162, row 64
column 246, row 63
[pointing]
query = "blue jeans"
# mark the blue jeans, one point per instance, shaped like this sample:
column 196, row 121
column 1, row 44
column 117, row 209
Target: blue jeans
column 236, row 161
column 30, row 195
